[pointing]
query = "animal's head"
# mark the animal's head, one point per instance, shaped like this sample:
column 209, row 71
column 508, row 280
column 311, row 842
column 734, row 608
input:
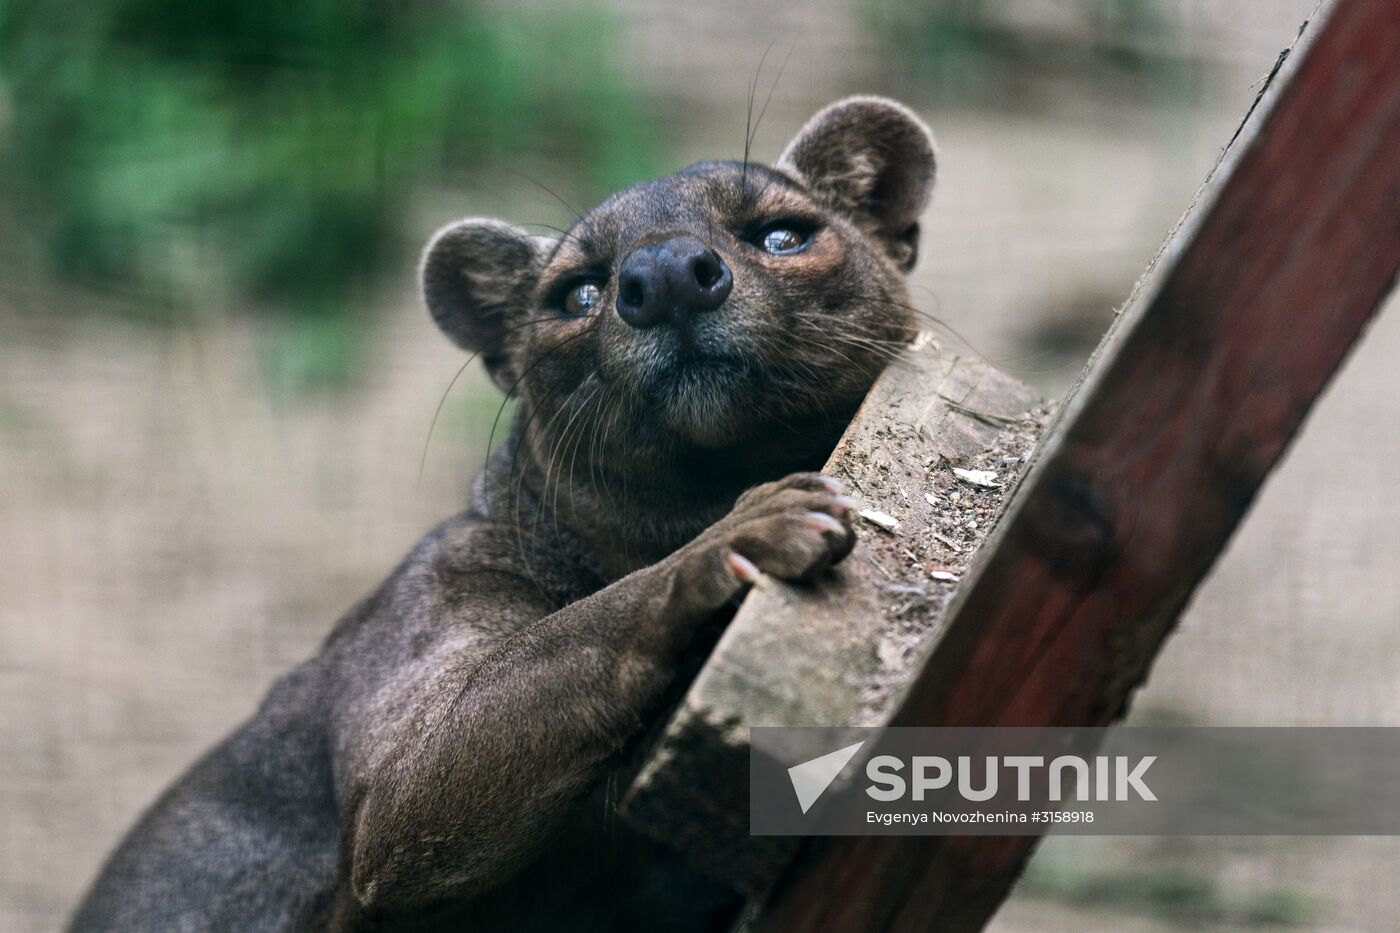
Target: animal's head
column 728, row 309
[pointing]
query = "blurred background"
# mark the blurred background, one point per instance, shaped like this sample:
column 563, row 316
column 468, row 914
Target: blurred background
column 216, row 380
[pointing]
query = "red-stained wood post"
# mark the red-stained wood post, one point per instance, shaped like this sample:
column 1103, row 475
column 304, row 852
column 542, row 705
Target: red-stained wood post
column 1189, row 402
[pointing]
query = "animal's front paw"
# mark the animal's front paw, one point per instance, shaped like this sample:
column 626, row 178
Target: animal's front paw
column 792, row 529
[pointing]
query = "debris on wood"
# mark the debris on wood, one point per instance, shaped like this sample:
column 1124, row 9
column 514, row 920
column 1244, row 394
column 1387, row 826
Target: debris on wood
column 948, row 541
column 890, row 653
column 984, row 478
column 985, row 416
column 852, row 477
column 880, row 519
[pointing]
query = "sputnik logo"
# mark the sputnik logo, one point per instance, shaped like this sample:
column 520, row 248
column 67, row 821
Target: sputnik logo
column 811, row 778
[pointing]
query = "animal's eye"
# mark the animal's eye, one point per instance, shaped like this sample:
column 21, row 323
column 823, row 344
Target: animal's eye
column 581, row 299
column 782, row 240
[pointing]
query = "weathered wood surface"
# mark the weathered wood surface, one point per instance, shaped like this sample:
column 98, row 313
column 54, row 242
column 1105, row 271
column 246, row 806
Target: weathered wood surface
column 835, row 652
column 1189, row 403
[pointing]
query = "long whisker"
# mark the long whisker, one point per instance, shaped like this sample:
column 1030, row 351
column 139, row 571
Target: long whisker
column 831, row 336
column 618, row 404
column 955, row 334
column 518, row 481
column 549, row 191
column 558, row 447
column 537, row 405
column 850, row 329
column 515, row 385
column 1000, row 363
column 423, row 458
column 599, row 426
column 573, row 457
column 559, row 230
column 748, row 117
column 926, row 316
column 753, row 134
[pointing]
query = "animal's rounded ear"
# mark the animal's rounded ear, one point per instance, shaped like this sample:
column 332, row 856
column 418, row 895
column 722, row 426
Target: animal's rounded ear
column 872, row 159
column 477, row 275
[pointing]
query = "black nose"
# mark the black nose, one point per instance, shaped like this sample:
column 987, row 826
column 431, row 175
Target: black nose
column 671, row 280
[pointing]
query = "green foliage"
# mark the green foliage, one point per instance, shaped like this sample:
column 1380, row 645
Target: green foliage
column 182, row 152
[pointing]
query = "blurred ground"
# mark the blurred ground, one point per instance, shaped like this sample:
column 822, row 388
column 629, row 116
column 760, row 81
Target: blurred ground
column 176, row 528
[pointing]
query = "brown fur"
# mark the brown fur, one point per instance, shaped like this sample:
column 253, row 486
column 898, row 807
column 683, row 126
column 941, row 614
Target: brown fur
column 445, row 761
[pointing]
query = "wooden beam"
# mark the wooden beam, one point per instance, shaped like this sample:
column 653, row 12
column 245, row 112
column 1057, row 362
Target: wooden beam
column 1191, row 400
column 841, row 650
